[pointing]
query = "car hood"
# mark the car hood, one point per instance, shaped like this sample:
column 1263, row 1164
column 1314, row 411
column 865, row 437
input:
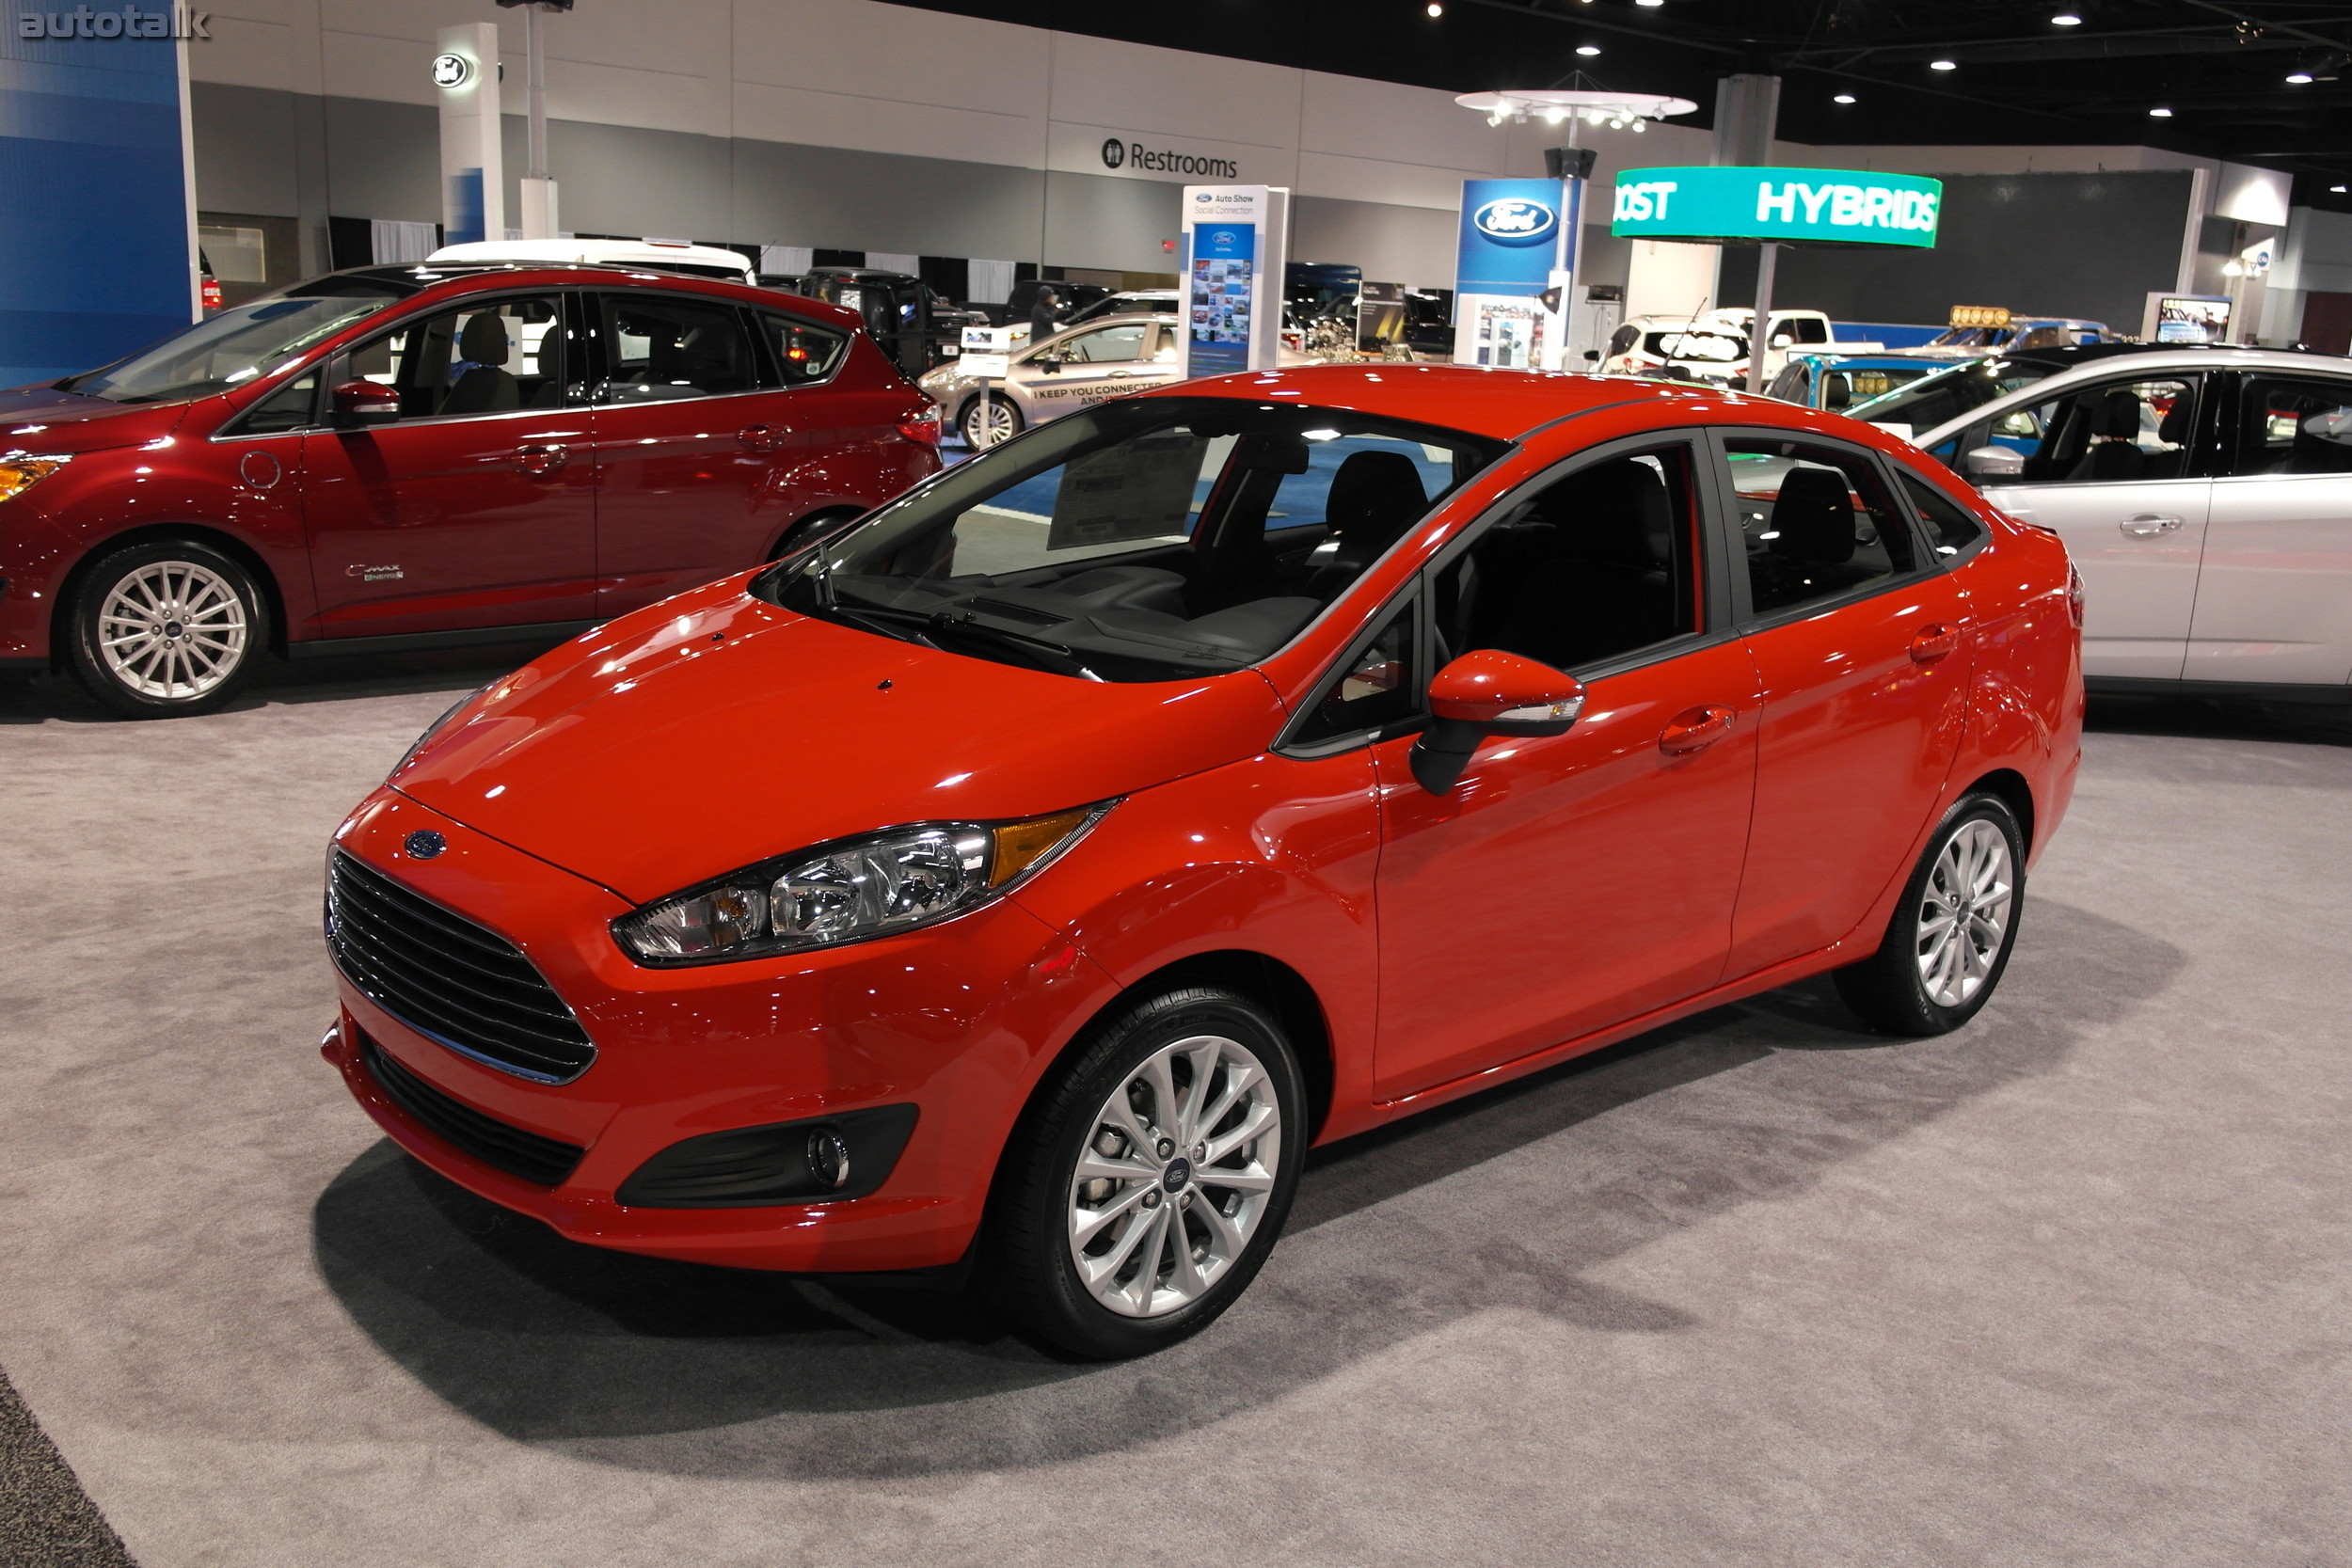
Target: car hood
column 44, row 419
column 716, row 729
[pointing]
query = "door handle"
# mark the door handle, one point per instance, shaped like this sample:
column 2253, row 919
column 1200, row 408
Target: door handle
column 2148, row 524
column 1933, row 642
column 1694, row 730
column 760, row 438
column 1118, row 375
column 540, row 459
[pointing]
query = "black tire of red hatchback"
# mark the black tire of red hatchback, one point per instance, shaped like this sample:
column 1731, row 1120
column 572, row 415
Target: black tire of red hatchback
column 1949, row 939
column 166, row 629
column 1003, row 412
column 1144, row 1187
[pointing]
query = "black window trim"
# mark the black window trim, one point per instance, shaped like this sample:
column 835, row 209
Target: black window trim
column 771, row 368
column 1745, row 615
column 337, row 366
column 1719, row 625
column 1922, row 538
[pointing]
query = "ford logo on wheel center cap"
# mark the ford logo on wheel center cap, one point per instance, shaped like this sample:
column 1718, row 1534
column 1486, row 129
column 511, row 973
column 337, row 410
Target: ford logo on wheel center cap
column 1176, row 1175
column 1515, row 220
column 423, row 844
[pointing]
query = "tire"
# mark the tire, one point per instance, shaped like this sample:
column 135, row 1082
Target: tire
column 1006, row 416
column 1064, row 1252
column 1950, row 936
column 167, row 628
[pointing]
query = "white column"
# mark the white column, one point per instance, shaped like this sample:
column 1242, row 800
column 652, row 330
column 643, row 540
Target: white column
column 473, row 175
column 538, row 218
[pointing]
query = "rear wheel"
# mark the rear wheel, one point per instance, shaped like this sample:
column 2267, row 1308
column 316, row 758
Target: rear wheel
column 167, row 628
column 1142, row 1194
column 1003, row 423
column 1949, row 939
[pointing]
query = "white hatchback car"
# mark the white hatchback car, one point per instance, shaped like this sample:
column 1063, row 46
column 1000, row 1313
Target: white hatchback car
column 2205, row 492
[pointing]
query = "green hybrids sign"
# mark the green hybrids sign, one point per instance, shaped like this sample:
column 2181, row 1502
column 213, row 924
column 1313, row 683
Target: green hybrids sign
column 1807, row 206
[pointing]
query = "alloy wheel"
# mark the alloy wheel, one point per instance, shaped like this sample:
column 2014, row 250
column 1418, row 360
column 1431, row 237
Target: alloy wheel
column 1965, row 912
column 1003, row 423
column 172, row 630
column 1175, row 1176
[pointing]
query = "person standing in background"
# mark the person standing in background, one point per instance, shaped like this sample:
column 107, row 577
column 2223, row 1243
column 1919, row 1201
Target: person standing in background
column 1041, row 312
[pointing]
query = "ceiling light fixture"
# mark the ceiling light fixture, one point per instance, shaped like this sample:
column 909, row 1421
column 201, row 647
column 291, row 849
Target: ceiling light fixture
column 2066, row 19
column 1588, row 50
column 1942, row 65
column 1843, row 98
column 2300, row 78
column 1435, row 8
column 2160, row 112
column 1652, row 4
column 2340, row 189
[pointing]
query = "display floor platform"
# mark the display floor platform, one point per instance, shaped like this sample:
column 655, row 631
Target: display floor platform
column 2073, row 1286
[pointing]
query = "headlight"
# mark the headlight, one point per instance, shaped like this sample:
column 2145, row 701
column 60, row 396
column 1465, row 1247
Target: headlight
column 20, row 474
column 850, row 889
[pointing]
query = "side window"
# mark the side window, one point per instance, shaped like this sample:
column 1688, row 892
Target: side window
column 2120, row 431
column 1809, row 330
column 804, row 352
column 1948, row 523
column 1585, row 569
column 1375, row 687
column 292, row 407
column 2294, row 426
column 660, row 348
column 1110, row 345
column 1815, row 523
column 489, row 358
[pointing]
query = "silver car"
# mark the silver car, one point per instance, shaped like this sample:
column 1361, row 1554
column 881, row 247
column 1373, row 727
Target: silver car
column 1074, row 368
column 2204, row 493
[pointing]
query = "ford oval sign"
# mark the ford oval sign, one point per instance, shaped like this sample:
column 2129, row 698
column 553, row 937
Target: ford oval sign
column 1515, row 220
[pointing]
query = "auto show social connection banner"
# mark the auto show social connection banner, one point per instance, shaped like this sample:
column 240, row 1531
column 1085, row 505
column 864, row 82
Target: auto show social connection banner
column 1811, row 206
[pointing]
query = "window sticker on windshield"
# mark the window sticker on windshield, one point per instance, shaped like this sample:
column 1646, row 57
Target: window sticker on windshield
column 1139, row 489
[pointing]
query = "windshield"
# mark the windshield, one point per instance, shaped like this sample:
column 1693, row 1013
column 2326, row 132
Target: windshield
column 236, row 345
column 1947, row 394
column 1143, row 540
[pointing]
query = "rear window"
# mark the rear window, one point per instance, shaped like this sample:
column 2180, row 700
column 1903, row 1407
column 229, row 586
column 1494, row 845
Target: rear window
column 804, row 352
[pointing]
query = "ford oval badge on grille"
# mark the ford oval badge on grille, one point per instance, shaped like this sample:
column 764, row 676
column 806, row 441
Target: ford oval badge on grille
column 424, row 844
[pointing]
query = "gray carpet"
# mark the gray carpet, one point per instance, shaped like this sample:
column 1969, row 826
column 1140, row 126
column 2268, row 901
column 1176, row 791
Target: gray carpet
column 2067, row 1287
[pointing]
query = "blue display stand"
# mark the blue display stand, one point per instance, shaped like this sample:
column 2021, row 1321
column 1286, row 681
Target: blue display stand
column 94, row 257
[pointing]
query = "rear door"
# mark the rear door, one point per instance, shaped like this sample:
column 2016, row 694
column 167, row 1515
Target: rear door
column 2117, row 468
column 476, row 508
column 687, row 429
column 2274, row 592
column 1861, row 648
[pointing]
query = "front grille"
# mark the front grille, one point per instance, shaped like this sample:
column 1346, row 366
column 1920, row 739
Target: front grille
column 545, row 1161
column 444, row 977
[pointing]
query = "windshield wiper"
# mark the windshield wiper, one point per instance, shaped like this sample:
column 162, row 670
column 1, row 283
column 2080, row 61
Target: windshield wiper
column 1052, row 657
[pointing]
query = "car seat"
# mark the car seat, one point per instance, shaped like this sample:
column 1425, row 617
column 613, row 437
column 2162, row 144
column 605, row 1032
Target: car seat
column 1809, row 547
column 1593, row 581
column 1375, row 497
column 485, row 387
column 2114, row 452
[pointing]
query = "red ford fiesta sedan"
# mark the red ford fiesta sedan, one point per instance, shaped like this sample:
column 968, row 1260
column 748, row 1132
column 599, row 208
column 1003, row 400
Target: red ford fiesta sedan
column 1025, row 879
column 400, row 457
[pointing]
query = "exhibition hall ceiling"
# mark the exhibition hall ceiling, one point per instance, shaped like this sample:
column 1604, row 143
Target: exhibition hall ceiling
column 2266, row 82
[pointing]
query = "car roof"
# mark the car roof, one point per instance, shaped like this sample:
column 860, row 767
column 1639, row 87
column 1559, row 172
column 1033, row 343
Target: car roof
column 1499, row 403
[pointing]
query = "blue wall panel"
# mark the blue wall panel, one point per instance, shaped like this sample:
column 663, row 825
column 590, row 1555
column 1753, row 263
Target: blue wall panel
column 94, row 249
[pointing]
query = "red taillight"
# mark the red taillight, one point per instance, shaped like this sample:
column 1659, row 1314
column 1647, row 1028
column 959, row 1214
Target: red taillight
column 212, row 294
column 2074, row 596
column 922, row 428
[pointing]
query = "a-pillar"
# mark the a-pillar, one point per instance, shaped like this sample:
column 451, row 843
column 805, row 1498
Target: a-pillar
column 473, row 183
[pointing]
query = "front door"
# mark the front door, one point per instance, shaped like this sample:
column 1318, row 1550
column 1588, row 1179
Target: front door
column 1568, row 884
column 2113, row 469
column 685, row 435
column 2274, row 595
column 476, row 508
column 1088, row 367
column 1861, row 646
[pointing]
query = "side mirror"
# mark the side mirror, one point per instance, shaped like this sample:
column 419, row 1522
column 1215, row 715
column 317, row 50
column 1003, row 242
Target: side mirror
column 1782, row 339
column 1592, row 356
column 1994, row 463
column 1049, row 363
column 364, row 402
column 1489, row 692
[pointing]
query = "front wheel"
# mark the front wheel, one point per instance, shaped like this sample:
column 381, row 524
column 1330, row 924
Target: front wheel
column 1002, row 424
column 167, row 628
column 1949, row 939
column 1144, row 1191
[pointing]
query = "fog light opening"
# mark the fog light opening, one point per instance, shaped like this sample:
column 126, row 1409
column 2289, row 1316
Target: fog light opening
column 828, row 1158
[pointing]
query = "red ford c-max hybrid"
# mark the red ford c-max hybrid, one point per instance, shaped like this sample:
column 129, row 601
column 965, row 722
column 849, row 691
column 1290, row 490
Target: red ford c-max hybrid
column 399, row 457
column 1029, row 876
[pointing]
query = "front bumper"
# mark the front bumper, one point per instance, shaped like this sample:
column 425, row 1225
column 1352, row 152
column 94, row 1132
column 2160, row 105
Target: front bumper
column 957, row 1021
